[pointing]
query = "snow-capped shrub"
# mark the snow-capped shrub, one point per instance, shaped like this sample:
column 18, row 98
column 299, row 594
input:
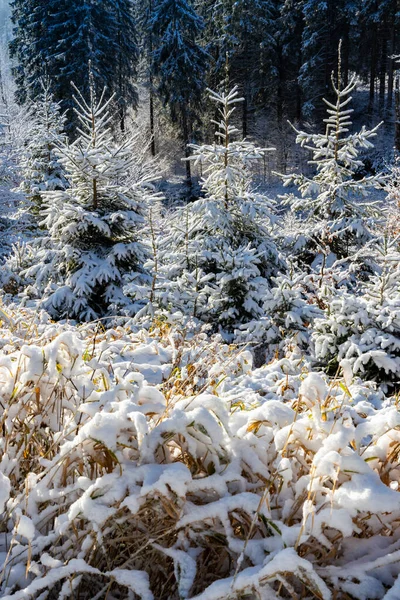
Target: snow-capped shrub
column 289, row 311
column 218, row 255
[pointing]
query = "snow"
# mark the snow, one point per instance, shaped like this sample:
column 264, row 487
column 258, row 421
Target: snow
column 5, row 488
column 221, row 420
column 196, row 460
column 25, row 527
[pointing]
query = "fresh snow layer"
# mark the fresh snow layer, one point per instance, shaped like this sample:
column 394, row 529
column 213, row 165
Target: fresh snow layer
column 107, row 477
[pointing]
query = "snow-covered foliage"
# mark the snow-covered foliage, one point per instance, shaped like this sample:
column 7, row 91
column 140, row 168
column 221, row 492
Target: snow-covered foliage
column 94, row 226
column 364, row 328
column 337, row 212
column 15, row 120
column 289, row 310
column 218, row 256
column 393, row 194
column 125, row 469
column 40, row 165
column 225, row 425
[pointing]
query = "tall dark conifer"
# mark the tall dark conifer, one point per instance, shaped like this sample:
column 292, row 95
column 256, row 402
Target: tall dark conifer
column 127, row 56
column 325, row 23
column 179, row 62
column 58, row 38
column 81, row 33
column 30, row 46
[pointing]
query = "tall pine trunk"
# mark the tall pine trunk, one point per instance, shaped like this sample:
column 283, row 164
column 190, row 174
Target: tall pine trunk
column 382, row 69
column 151, row 91
column 186, row 141
column 397, row 115
column 392, row 39
column 151, row 117
column 280, row 108
column 373, row 65
column 245, row 113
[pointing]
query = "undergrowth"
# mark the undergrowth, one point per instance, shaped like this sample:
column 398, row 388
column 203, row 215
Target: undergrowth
column 159, row 464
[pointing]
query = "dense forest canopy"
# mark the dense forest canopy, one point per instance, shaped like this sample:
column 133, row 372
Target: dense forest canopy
column 279, row 52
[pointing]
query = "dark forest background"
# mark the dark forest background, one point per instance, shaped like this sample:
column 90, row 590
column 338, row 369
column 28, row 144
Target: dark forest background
column 280, row 53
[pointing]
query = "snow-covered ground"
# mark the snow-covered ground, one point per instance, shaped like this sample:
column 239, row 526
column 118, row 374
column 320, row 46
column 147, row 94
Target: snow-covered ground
column 160, row 464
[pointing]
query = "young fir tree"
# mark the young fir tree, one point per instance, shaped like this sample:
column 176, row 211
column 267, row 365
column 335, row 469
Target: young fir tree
column 364, row 328
column 287, row 322
column 218, row 258
column 336, row 212
column 179, row 63
column 392, row 189
column 94, row 226
column 40, row 165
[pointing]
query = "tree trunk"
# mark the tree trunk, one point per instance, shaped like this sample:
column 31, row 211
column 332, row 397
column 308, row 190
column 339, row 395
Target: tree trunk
column 151, row 92
column 298, row 36
column 397, row 115
column 372, row 73
column 244, row 113
column 151, row 115
column 186, row 140
column 382, row 70
column 279, row 109
column 121, row 99
column 389, row 99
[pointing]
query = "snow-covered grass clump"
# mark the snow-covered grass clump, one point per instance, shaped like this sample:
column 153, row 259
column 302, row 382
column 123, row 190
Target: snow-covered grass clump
column 160, row 464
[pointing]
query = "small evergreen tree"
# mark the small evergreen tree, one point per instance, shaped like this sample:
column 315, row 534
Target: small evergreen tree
column 364, row 328
column 94, row 226
column 15, row 120
column 287, row 321
column 392, row 189
column 219, row 257
column 40, row 165
column 333, row 202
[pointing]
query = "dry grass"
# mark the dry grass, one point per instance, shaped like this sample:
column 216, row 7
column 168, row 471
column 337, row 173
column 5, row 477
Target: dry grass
column 249, row 483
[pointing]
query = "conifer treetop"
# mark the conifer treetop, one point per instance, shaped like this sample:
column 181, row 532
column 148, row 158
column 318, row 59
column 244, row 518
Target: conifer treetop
column 226, row 161
column 335, row 156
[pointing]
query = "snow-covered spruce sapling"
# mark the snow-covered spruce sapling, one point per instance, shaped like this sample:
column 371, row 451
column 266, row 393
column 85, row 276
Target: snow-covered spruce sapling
column 287, row 323
column 364, row 328
column 218, row 258
column 336, row 211
column 40, row 164
column 392, row 189
column 94, row 226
